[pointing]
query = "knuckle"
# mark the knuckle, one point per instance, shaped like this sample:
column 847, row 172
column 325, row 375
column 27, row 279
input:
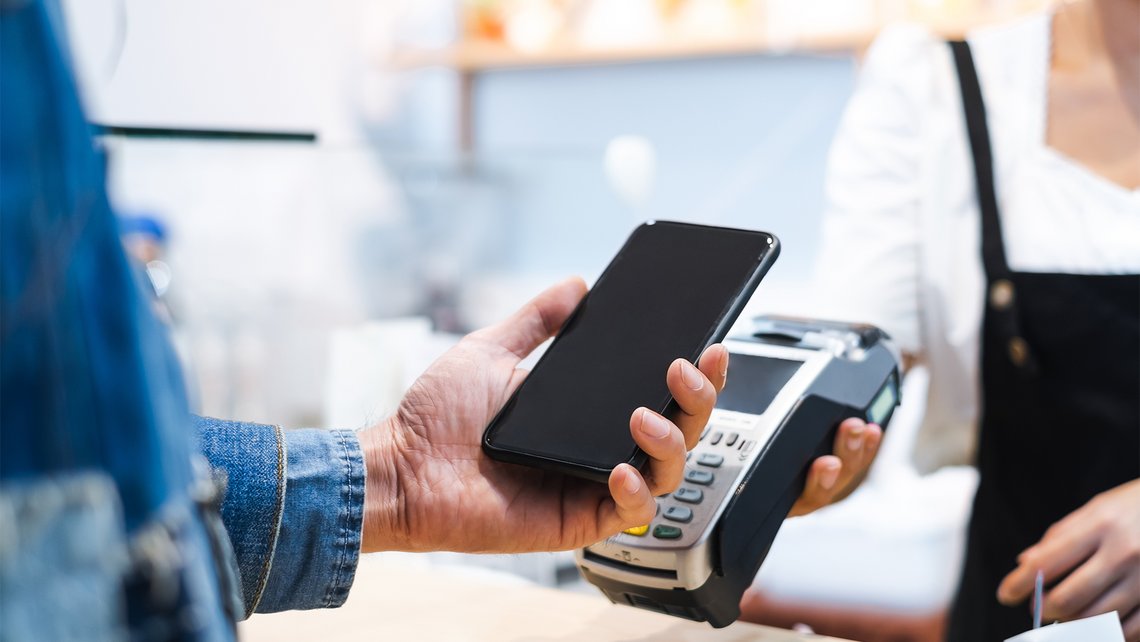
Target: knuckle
column 813, row 498
column 667, row 484
column 1051, row 531
column 642, row 514
column 1032, row 559
column 1100, row 510
column 1060, row 605
column 1131, row 555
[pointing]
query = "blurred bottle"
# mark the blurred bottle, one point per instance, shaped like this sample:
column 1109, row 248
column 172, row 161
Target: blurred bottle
column 144, row 238
column 483, row 20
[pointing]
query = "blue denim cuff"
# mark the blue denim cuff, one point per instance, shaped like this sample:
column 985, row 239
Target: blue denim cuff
column 251, row 458
column 319, row 542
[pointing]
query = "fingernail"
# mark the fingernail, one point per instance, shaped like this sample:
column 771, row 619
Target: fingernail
column 631, row 484
column 691, row 377
column 724, row 366
column 855, row 439
column 654, row 425
column 828, row 477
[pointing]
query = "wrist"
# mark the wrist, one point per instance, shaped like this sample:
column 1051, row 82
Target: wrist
column 384, row 527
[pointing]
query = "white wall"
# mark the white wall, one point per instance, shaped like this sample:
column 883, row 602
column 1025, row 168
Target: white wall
column 234, row 64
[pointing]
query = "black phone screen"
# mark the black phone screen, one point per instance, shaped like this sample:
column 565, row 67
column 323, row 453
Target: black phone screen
column 670, row 291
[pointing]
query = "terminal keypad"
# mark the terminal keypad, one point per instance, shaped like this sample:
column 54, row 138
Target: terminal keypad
column 723, row 446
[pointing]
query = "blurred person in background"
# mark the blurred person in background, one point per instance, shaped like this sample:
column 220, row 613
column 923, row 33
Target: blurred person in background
column 984, row 210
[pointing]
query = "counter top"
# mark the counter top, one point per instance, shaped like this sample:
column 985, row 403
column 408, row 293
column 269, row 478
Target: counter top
column 394, row 598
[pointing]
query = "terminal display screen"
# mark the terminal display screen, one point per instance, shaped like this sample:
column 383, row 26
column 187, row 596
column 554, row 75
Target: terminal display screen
column 754, row 381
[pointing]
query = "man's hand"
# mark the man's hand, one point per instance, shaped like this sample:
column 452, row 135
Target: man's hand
column 833, row 477
column 431, row 487
column 1091, row 560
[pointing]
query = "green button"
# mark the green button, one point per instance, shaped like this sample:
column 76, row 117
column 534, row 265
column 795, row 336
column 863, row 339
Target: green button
column 666, row 532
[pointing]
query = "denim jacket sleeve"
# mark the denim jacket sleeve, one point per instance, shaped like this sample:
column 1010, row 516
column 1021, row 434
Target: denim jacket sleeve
column 293, row 509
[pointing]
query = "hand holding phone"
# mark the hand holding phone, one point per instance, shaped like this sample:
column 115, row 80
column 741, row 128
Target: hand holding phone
column 672, row 290
column 431, row 487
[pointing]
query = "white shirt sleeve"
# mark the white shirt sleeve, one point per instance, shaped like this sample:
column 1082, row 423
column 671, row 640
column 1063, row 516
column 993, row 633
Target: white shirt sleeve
column 869, row 264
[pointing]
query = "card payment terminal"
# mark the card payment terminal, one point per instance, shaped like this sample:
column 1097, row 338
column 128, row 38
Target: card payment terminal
column 791, row 382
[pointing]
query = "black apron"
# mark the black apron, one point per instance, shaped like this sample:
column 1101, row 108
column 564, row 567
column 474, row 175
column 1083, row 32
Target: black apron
column 1060, row 406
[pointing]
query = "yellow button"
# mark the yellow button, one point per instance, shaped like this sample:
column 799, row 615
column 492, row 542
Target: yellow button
column 637, row 530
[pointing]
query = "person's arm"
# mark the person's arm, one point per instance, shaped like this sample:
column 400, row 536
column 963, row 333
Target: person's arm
column 301, row 505
column 868, row 268
column 293, row 508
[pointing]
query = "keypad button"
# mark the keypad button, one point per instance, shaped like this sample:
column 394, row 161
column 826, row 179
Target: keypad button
column 638, row 531
column 716, row 437
column 704, row 433
column 679, row 514
column 747, row 446
column 689, row 495
column 732, row 437
column 702, row 477
column 711, row 460
column 664, row 531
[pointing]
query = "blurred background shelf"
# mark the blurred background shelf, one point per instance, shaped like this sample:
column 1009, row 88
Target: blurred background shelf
column 483, row 48
column 480, row 56
column 496, row 37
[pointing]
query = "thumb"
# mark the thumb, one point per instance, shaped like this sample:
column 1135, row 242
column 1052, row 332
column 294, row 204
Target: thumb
column 537, row 320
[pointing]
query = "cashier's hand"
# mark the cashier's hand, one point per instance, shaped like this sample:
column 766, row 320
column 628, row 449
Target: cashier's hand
column 833, row 477
column 430, row 486
column 1091, row 562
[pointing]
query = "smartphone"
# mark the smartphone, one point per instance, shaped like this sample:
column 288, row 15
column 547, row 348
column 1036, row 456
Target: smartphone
column 672, row 290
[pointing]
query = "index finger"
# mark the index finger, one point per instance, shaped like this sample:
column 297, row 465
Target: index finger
column 1055, row 555
column 714, row 364
column 695, row 390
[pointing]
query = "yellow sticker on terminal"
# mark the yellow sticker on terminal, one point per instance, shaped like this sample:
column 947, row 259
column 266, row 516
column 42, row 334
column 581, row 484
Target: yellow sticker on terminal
column 637, row 530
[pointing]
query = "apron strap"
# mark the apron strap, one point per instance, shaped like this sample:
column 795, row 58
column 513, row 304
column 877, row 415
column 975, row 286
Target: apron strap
column 1003, row 312
column 993, row 246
